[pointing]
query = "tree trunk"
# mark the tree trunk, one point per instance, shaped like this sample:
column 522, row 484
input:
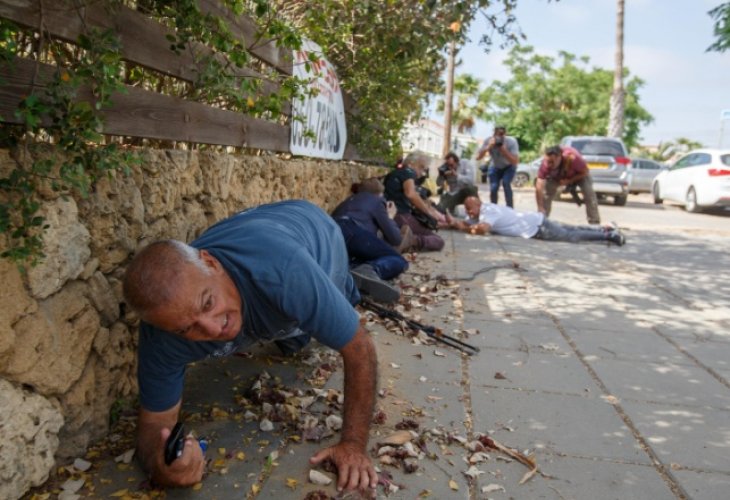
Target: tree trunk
column 449, row 99
column 616, row 116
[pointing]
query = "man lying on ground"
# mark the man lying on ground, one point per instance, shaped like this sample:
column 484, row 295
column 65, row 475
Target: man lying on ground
column 360, row 217
column 490, row 218
column 277, row 272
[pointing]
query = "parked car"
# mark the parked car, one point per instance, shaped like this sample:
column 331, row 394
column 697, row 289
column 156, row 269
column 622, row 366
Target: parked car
column 642, row 173
column 700, row 179
column 608, row 160
column 526, row 173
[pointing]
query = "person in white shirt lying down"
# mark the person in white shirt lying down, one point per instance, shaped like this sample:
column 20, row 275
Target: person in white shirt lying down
column 485, row 218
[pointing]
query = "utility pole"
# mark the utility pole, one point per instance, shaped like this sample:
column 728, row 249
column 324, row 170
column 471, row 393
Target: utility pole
column 616, row 116
column 449, row 99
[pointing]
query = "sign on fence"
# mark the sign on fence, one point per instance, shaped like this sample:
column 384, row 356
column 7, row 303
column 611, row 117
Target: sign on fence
column 319, row 130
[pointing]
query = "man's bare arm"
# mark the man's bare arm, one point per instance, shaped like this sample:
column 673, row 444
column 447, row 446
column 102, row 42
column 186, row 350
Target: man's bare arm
column 479, row 228
column 153, row 429
column 540, row 194
column 409, row 189
column 354, row 467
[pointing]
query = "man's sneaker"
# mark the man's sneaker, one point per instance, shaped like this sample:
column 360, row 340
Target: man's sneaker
column 617, row 237
column 408, row 239
column 369, row 283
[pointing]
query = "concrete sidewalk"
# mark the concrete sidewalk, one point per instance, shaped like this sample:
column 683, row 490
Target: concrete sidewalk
column 610, row 365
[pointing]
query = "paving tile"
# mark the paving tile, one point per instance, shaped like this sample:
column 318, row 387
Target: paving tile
column 698, row 438
column 555, row 371
column 662, row 382
column 575, row 479
column 715, row 355
column 573, row 425
column 518, row 334
column 703, row 485
column 636, row 344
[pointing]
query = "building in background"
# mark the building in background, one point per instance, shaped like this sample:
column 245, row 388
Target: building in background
column 428, row 136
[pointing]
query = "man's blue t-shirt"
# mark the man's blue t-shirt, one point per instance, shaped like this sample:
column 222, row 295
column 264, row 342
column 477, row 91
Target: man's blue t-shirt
column 290, row 266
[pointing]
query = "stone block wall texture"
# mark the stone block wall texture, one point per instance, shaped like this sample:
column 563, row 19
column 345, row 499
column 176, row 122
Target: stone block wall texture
column 67, row 345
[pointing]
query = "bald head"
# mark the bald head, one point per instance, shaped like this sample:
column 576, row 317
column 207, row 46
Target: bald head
column 157, row 272
column 473, row 205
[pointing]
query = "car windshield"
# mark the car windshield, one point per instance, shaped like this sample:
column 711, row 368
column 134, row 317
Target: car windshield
column 602, row 148
column 725, row 159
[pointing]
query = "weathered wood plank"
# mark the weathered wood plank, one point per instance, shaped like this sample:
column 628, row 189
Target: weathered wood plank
column 142, row 113
column 143, row 40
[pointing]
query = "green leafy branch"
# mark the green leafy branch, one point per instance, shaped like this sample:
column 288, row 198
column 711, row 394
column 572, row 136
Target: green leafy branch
column 66, row 113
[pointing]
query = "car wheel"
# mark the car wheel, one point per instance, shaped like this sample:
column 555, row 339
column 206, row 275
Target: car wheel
column 690, row 202
column 620, row 200
column 655, row 192
column 521, row 180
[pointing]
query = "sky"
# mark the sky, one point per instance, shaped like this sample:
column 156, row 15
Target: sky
column 685, row 89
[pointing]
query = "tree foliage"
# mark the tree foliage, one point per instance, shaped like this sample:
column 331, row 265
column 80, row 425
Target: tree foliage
column 467, row 106
column 547, row 98
column 721, row 15
column 668, row 150
column 389, row 55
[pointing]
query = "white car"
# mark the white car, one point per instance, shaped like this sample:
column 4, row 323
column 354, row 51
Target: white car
column 700, row 179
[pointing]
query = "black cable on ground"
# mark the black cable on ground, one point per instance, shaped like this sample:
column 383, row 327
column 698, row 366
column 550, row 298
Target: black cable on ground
column 515, row 266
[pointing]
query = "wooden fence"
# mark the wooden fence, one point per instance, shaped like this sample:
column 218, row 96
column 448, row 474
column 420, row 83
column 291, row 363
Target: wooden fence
column 145, row 113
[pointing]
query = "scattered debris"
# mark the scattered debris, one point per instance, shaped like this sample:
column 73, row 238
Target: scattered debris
column 72, row 485
column 526, row 460
column 81, row 465
column 319, row 478
column 266, row 425
column 126, row 457
column 492, row 487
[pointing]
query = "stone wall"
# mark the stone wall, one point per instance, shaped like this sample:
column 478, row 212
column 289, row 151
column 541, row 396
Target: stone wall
column 67, row 346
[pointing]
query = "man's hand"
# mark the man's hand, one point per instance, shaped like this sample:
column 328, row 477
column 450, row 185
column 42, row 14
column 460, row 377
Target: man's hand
column 355, row 471
column 187, row 469
column 361, row 371
column 153, row 429
column 391, row 209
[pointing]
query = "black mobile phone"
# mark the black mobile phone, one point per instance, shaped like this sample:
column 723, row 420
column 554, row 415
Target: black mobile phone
column 175, row 443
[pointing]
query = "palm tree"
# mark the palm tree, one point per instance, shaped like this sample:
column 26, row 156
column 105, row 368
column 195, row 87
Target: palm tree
column 616, row 116
column 467, row 107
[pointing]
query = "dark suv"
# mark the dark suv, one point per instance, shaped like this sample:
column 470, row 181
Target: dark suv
column 608, row 161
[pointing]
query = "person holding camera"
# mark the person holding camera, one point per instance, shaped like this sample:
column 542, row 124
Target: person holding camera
column 456, row 182
column 412, row 209
column 504, row 153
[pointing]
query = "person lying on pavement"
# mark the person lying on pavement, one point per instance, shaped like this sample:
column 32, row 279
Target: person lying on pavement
column 277, row 272
column 487, row 218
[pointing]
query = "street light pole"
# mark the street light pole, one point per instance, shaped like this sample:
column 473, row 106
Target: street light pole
column 449, row 98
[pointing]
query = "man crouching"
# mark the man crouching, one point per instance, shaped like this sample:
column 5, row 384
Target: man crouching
column 277, row 272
